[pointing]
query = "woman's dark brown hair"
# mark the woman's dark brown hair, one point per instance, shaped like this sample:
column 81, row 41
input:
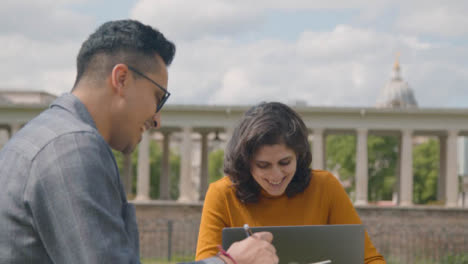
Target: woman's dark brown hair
column 266, row 124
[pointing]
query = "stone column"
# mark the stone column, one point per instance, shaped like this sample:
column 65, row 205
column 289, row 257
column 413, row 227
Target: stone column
column 464, row 171
column 396, row 197
column 4, row 136
column 361, row 167
column 143, row 177
column 185, row 182
column 406, row 175
column 127, row 173
column 318, row 150
column 451, row 181
column 442, row 168
column 203, row 166
column 229, row 131
column 164, row 182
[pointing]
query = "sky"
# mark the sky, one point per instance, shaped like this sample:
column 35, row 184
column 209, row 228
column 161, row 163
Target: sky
column 337, row 53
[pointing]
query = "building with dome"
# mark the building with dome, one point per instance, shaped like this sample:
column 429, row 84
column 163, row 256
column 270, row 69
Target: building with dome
column 397, row 93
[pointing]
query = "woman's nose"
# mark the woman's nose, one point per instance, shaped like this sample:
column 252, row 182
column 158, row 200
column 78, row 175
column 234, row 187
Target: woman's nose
column 277, row 171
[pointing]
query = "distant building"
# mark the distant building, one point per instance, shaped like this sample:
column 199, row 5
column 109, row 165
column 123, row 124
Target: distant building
column 10, row 97
column 396, row 93
column 18, row 107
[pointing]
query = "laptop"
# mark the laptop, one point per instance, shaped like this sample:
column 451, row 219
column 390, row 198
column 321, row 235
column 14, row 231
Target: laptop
column 339, row 244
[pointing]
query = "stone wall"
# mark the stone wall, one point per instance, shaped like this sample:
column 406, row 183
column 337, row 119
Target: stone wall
column 168, row 229
column 401, row 234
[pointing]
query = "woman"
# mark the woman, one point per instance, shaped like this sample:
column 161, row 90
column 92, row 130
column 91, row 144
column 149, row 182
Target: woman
column 269, row 182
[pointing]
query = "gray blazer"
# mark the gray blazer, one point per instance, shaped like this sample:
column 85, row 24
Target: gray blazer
column 61, row 198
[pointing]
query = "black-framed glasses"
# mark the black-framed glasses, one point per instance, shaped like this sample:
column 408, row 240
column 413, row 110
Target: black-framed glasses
column 166, row 93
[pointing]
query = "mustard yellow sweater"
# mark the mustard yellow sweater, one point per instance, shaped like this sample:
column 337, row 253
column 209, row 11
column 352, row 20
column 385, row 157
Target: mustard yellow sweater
column 323, row 202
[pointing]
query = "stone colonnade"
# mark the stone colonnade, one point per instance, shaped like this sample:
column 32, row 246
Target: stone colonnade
column 187, row 186
column 448, row 176
column 199, row 121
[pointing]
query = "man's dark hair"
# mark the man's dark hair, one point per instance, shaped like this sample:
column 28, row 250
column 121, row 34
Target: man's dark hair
column 267, row 124
column 122, row 41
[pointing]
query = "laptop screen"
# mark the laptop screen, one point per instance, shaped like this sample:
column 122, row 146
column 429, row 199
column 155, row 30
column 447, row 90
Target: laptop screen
column 340, row 244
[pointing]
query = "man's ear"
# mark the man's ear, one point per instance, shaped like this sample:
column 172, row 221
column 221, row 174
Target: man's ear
column 119, row 79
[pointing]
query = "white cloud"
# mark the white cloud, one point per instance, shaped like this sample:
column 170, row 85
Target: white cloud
column 235, row 84
column 46, row 20
column 185, row 20
column 343, row 41
column 347, row 66
column 446, row 19
column 182, row 19
column 40, row 40
column 31, row 64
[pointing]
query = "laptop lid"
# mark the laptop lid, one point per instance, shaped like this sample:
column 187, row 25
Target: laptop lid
column 342, row 244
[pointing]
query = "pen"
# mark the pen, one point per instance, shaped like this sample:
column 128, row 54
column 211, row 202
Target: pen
column 247, row 230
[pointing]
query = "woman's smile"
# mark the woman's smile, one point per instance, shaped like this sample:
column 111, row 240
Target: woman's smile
column 273, row 168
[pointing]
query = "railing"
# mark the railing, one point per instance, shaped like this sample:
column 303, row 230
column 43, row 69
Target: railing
column 169, row 240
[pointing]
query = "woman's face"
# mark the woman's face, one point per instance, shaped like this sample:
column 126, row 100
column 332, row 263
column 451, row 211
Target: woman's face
column 273, row 167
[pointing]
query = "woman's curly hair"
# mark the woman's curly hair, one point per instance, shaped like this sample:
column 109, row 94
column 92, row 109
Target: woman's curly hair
column 267, row 124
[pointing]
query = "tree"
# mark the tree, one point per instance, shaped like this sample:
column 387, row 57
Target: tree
column 155, row 155
column 174, row 175
column 382, row 158
column 215, row 167
column 426, row 170
column 341, row 157
column 382, row 162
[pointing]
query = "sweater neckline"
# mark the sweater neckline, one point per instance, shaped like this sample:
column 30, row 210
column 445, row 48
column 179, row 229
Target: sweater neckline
column 266, row 195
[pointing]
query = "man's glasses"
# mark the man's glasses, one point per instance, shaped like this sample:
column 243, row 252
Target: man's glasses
column 166, row 93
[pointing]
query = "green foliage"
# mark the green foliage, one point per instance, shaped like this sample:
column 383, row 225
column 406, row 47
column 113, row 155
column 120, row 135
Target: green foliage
column 341, row 156
column 382, row 160
column 119, row 158
column 174, row 173
column 452, row 258
column 382, row 164
column 155, row 154
column 216, row 159
column 455, row 259
column 426, row 170
column 215, row 165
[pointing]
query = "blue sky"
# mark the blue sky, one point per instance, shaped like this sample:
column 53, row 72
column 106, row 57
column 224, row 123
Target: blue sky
column 337, row 53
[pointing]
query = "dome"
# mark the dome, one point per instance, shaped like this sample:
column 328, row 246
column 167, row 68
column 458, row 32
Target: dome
column 397, row 93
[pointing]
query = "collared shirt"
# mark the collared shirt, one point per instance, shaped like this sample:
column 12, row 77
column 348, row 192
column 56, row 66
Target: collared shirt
column 61, row 197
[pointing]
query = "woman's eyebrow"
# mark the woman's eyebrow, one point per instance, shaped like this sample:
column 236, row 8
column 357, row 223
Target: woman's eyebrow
column 282, row 159
column 285, row 158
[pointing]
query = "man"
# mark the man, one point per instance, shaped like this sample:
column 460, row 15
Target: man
column 62, row 200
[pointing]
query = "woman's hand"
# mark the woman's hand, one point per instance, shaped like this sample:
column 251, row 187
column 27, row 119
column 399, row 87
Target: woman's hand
column 256, row 249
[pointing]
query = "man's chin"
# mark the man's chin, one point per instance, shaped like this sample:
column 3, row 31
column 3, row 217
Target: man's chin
column 128, row 150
